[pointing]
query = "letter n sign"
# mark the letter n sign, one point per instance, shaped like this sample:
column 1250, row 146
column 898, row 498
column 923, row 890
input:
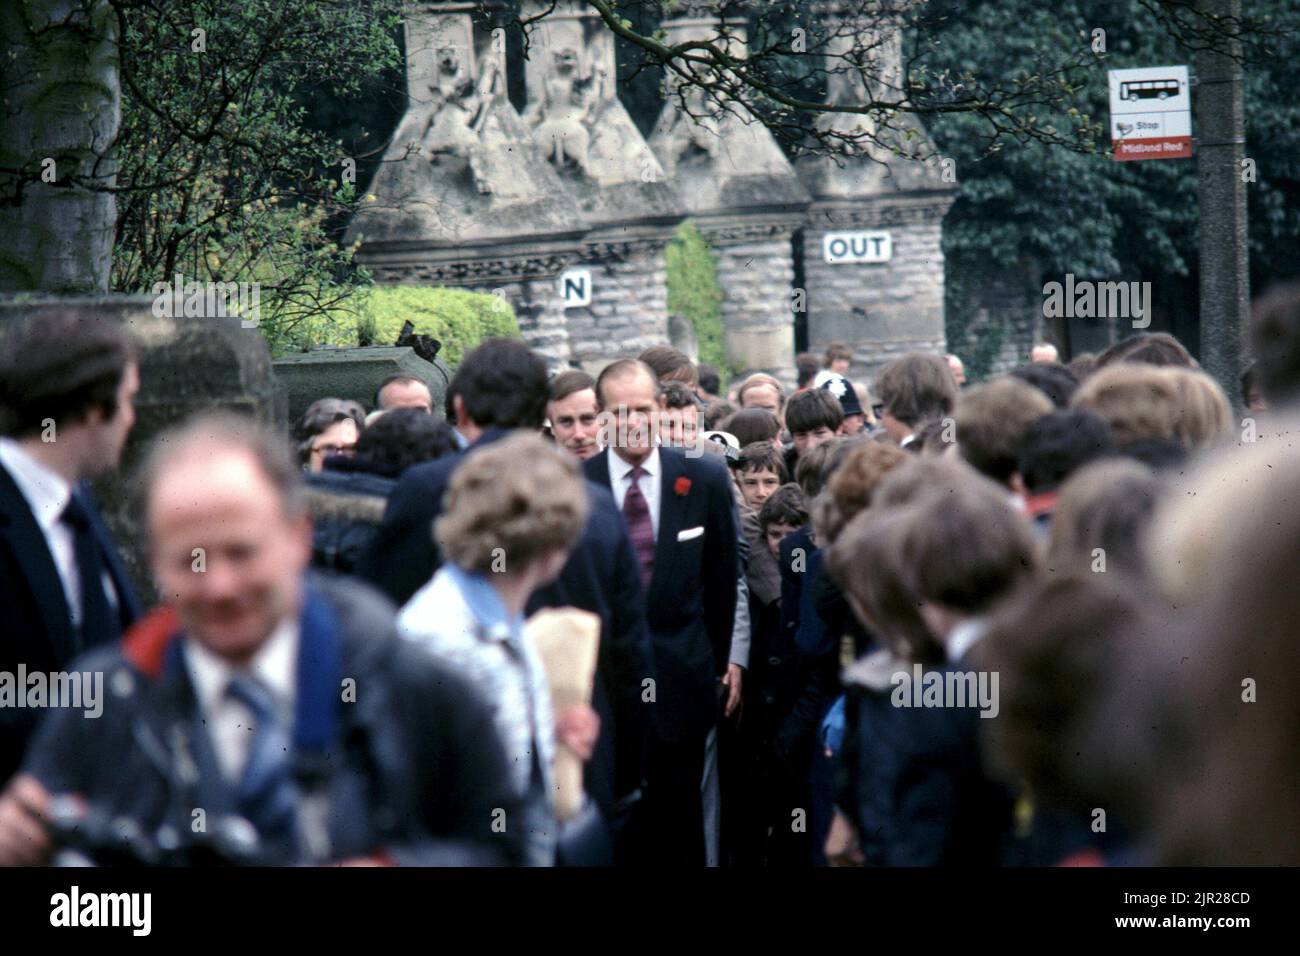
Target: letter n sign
column 575, row 287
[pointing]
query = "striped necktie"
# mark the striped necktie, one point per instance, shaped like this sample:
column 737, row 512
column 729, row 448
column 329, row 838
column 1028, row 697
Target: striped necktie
column 636, row 513
column 266, row 794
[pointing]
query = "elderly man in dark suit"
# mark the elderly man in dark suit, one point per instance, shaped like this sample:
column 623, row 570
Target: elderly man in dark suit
column 499, row 386
column 66, row 389
column 259, row 701
column 681, row 518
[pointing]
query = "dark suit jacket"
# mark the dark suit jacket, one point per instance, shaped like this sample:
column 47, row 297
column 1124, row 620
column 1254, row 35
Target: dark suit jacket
column 413, row 768
column 802, row 685
column 600, row 576
column 37, row 629
column 691, row 601
column 916, row 785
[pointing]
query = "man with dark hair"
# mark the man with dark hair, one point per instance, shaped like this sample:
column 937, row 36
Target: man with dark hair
column 228, row 697
column 681, row 517
column 710, row 383
column 679, row 416
column 499, row 386
column 1055, row 447
column 911, row 391
column 347, row 498
column 571, row 410
column 670, row 365
column 716, row 413
column 67, row 387
column 782, row 514
column 498, row 389
column 813, row 417
column 838, row 359
column 760, row 471
column 806, row 367
column 403, row 391
column 1275, row 340
column 1051, row 378
column 329, row 426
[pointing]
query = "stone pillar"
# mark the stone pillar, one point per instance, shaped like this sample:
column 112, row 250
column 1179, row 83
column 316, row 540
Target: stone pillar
column 745, row 197
column 601, row 158
column 464, row 196
column 883, row 304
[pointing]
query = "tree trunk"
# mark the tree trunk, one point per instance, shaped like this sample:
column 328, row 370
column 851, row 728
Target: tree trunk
column 61, row 105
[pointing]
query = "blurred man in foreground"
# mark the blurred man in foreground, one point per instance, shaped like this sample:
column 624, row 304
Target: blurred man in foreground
column 283, row 708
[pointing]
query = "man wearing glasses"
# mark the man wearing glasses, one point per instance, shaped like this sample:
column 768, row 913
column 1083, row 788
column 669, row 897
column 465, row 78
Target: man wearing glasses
column 330, row 426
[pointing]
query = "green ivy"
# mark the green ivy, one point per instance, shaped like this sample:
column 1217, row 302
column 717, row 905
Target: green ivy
column 695, row 293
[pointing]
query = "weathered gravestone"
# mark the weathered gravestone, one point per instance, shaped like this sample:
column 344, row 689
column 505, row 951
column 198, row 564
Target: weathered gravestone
column 355, row 374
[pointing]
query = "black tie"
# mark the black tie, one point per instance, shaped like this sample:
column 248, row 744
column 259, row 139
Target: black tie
column 99, row 623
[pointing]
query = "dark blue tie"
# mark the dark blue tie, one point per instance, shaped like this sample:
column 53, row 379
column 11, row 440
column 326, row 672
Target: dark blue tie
column 266, row 795
column 99, row 622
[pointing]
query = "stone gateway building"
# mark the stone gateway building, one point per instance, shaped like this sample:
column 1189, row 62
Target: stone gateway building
column 565, row 209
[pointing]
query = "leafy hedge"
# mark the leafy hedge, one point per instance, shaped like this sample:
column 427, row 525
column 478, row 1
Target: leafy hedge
column 374, row 315
column 459, row 319
column 695, row 293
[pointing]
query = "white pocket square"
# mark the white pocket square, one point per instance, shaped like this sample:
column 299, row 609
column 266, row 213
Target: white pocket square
column 690, row 533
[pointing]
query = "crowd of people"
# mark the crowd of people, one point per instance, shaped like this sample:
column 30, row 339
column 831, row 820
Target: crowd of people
column 1042, row 619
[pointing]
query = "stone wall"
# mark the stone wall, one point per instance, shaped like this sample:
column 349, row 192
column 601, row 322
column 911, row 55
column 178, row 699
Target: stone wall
column 756, row 272
column 883, row 309
column 629, row 305
column 1004, row 319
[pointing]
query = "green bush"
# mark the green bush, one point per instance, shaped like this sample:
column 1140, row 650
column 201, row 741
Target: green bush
column 374, row 315
column 695, row 293
column 457, row 318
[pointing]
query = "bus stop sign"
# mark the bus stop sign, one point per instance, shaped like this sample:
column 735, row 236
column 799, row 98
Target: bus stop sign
column 1150, row 113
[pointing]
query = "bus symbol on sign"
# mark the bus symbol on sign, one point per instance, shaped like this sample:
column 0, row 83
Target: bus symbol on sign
column 850, row 247
column 575, row 288
column 1148, row 89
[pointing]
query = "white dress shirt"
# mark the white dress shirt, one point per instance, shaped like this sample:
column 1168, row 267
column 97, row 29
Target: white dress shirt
column 965, row 636
column 47, row 494
column 229, row 721
column 650, row 483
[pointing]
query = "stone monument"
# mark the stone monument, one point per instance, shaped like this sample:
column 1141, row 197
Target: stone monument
column 463, row 196
column 742, row 193
column 617, row 300
column 872, row 262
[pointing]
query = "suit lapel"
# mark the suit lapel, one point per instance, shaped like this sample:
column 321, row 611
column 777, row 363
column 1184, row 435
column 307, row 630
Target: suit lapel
column 128, row 607
column 599, row 470
column 671, row 512
column 18, row 525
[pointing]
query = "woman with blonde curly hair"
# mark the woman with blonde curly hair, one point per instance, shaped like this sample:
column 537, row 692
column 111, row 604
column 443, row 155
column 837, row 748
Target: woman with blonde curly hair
column 514, row 511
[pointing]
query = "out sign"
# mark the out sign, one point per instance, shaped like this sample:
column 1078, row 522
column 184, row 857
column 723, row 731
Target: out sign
column 849, row 247
column 575, row 287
